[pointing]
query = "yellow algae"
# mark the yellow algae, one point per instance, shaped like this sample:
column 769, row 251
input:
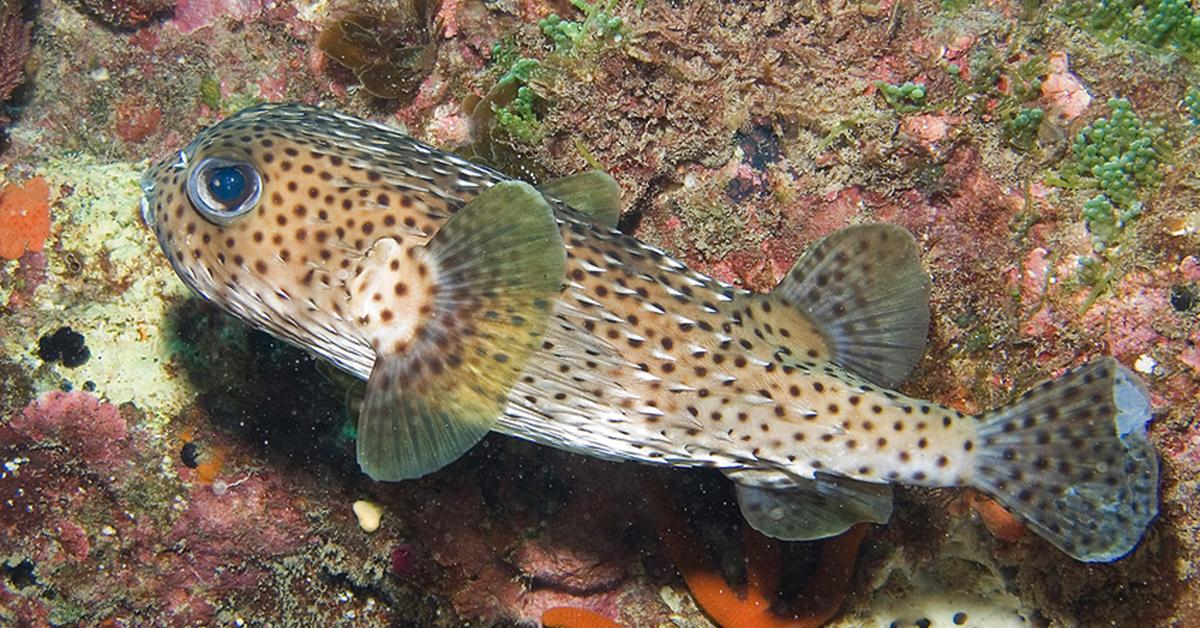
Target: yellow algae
column 106, row 281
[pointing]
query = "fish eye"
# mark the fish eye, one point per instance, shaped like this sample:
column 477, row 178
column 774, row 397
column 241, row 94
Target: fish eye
column 223, row 189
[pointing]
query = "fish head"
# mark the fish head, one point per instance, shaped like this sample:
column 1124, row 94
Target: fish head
column 269, row 213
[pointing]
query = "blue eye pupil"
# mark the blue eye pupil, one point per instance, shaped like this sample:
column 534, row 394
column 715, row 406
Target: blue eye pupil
column 222, row 189
column 227, row 184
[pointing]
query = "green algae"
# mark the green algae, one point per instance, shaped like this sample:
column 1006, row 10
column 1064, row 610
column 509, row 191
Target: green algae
column 1120, row 156
column 1191, row 104
column 509, row 120
column 210, row 92
column 518, row 119
column 598, row 25
column 1159, row 24
column 1022, row 129
column 904, row 98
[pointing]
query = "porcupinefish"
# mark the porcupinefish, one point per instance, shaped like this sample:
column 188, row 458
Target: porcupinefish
column 471, row 303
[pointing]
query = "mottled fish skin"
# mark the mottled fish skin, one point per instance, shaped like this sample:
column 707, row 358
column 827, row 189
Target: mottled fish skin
column 644, row 359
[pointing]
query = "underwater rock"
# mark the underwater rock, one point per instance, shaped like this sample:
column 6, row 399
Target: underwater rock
column 126, row 13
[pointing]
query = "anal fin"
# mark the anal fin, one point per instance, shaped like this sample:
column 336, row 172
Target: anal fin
column 808, row 510
column 467, row 311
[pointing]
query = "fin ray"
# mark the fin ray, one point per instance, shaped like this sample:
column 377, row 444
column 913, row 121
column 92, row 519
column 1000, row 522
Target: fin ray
column 592, row 192
column 494, row 270
column 865, row 290
column 1071, row 459
column 814, row 509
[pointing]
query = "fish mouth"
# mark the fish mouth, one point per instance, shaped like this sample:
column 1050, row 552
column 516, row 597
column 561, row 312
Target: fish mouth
column 147, row 184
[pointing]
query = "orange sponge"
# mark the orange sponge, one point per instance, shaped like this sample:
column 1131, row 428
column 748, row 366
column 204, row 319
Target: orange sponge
column 24, row 217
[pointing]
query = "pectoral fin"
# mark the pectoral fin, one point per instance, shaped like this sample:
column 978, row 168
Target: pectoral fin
column 474, row 305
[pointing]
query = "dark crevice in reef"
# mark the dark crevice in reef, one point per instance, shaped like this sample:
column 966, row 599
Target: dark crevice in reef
column 274, row 398
column 20, row 575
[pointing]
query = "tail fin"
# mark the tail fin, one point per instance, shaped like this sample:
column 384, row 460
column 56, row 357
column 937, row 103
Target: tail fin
column 1072, row 460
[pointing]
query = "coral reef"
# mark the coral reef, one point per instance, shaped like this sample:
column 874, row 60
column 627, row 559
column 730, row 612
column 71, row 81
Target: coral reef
column 126, row 13
column 390, row 53
column 15, row 32
column 193, row 472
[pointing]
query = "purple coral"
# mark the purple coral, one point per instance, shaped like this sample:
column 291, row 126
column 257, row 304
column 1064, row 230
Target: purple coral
column 15, row 33
column 94, row 431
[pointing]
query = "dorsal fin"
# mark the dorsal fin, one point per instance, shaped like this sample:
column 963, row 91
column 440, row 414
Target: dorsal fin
column 865, row 291
column 466, row 312
column 591, row 192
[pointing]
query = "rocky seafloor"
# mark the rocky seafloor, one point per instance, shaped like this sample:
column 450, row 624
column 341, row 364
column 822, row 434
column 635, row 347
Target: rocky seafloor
column 164, row 464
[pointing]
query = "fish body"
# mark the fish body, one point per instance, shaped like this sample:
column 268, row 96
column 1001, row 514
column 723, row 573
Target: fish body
column 472, row 303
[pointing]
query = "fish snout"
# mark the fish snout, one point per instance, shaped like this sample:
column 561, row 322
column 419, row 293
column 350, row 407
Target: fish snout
column 157, row 171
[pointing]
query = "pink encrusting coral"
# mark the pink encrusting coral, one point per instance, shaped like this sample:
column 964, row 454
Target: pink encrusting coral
column 67, row 455
column 191, row 15
column 79, row 486
column 92, row 430
column 1064, row 91
column 27, row 276
column 217, row 532
column 1127, row 321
